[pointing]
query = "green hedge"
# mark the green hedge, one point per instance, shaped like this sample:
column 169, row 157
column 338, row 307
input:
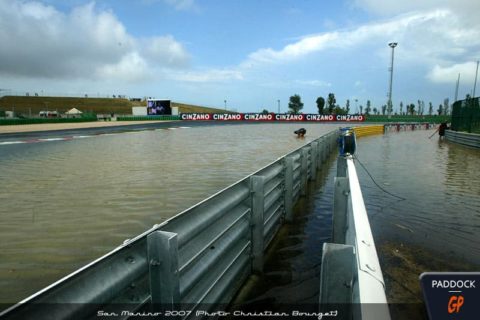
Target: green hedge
column 5, row 122
column 416, row 118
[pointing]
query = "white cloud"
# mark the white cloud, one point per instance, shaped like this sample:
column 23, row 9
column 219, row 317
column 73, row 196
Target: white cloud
column 208, row 75
column 166, row 51
column 131, row 68
column 313, row 83
column 450, row 73
column 84, row 43
column 468, row 9
column 181, row 4
column 376, row 34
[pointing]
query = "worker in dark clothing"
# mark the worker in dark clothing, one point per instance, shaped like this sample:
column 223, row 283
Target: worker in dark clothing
column 441, row 129
column 300, row 132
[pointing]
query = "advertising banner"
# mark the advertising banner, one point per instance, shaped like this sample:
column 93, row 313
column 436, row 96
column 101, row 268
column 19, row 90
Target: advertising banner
column 284, row 117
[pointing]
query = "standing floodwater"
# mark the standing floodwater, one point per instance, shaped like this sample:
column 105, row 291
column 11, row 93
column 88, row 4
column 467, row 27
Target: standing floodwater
column 435, row 228
column 65, row 203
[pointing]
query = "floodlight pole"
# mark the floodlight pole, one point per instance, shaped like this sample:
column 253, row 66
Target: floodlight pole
column 475, row 84
column 456, row 88
column 278, row 101
column 389, row 107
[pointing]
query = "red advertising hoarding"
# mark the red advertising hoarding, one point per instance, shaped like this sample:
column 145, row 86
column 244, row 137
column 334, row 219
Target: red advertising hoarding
column 272, row 117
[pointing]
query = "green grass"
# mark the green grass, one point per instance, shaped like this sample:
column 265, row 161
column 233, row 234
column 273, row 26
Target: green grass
column 26, row 106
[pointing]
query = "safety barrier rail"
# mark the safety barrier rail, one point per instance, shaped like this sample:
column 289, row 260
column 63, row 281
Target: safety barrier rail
column 465, row 138
column 397, row 127
column 351, row 277
column 199, row 258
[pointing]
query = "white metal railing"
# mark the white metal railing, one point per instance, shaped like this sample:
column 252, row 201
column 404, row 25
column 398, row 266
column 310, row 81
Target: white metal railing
column 351, row 277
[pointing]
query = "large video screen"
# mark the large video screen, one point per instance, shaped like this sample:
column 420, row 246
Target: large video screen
column 158, row 107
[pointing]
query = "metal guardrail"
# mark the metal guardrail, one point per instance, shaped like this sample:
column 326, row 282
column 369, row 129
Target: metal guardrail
column 397, row 127
column 351, row 274
column 199, row 258
column 465, row 138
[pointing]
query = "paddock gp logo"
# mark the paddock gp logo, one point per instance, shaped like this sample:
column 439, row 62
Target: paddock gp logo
column 451, row 295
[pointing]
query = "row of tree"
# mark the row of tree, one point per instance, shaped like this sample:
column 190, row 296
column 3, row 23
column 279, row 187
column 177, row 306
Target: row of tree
column 330, row 106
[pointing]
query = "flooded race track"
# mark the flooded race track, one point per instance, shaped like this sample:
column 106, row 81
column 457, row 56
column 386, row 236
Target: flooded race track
column 65, row 203
column 437, row 225
column 430, row 221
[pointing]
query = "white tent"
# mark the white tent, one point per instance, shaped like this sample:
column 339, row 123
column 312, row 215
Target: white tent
column 73, row 111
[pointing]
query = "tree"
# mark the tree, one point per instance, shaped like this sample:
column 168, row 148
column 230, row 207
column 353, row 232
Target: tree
column 295, row 104
column 411, row 108
column 320, row 105
column 440, row 110
column 368, row 108
column 401, row 107
column 384, row 109
column 446, row 106
column 361, row 109
column 347, row 106
column 338, row 110
column 430, row 108
column 265, row 111
column 331, row 102
column 375, row 111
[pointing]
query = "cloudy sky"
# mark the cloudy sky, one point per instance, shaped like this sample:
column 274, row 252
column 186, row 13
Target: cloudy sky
column 249, row 53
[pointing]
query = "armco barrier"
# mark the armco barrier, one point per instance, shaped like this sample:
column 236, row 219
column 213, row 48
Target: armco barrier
column 351, row 278
column 198, row 258
column 465, row 138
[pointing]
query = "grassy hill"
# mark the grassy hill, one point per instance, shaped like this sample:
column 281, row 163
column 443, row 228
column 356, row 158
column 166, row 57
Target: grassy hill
column 27, row 106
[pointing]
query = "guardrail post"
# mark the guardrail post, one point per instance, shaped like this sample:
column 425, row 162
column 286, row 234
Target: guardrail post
column 303, row 172
column 162, row 251
column 324, row 149
column 336, row 278
column 341, row 166
column 288, row 189
column 313, row 156
column 257, row 184
column 340, row 208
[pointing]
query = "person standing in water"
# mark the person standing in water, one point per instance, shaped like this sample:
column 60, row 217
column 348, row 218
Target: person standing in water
column 300, row 132
column 441, row 129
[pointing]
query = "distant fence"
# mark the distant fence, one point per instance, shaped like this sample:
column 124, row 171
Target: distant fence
column 397, row 127
column 43, row 93
column 466, row 115
column 193, row 261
